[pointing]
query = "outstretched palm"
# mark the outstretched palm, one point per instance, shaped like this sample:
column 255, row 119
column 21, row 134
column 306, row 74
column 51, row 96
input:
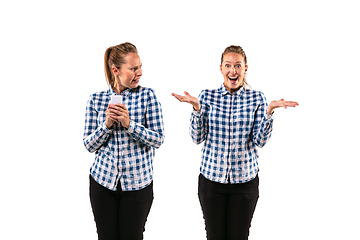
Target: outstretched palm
column 280, row 103
column 189, row 99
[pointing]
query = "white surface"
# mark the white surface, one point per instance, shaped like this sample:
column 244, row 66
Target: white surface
column 307, row 51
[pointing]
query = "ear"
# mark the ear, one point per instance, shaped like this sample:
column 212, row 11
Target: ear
column 115, row 70
column 221, row 68
column 246, row 68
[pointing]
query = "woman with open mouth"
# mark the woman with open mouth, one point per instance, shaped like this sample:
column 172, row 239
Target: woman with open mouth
column 232, row 121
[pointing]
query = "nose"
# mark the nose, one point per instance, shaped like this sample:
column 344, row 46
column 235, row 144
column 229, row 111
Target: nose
column 233, row 70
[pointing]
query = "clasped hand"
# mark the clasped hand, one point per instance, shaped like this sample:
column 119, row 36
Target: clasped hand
column 117, row 113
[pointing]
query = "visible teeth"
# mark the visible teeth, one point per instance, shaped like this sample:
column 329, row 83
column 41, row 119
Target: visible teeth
column 233, row 78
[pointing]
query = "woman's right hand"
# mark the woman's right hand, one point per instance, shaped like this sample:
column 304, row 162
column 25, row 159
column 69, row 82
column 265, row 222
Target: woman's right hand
column 110, row 117
column 189, row 99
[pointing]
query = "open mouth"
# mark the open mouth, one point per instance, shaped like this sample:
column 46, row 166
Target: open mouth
column 233, row 79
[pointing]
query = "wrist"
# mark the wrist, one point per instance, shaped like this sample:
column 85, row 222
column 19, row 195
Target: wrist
column 197, row 107
column 270, row 111
column 108, row 125
column 127, row 126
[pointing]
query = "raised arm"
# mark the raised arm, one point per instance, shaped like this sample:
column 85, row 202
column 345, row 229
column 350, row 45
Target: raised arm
column 264, row 120
column 198, row 122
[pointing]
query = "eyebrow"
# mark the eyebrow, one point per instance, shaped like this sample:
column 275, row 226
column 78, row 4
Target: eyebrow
column 230, row 62
column 131, row 66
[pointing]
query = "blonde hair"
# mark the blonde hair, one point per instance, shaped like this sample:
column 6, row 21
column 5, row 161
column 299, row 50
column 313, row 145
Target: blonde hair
column 115, row 56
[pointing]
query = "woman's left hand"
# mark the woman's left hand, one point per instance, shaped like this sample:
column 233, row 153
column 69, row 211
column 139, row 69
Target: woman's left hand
column 120, row 113
column 280, row 103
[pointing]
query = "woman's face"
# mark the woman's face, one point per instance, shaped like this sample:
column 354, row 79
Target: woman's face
column 128, row 75
column 233, row 69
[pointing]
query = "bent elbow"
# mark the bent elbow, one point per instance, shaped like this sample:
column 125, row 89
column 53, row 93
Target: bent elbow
column 88, row 146
column 160, row 141
column 261, row 145
column 197, row 141
column 89, row 149
column 261, row 142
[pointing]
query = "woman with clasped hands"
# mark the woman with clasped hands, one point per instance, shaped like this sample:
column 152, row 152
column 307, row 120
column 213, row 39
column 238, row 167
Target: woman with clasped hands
column 232, row 121
column 124, row 137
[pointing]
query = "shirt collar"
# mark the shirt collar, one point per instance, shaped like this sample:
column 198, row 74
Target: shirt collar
column 224, row 91
column 126, row 92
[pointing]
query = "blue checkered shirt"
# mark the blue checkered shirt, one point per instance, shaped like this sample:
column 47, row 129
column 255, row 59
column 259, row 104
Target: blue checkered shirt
column 231, row 126
column 124, row 154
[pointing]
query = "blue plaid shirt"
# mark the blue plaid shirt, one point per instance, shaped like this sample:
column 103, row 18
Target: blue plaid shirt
column 231, row 126
column 120, row 153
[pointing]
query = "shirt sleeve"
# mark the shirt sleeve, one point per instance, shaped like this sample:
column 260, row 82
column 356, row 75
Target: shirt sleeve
column 199, row 126
column 153, row 133
column 95, row 135
column 263, row 124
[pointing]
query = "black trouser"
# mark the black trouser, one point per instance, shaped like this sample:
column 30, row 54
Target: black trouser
column 120, row 215
column 228, row 208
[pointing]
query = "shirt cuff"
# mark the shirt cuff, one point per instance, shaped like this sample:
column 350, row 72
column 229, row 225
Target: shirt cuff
column 268, row 116
column 104, row 128
column 131, row 128
column 197, row 113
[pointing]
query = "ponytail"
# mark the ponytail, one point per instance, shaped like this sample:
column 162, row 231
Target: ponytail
column 108, row 75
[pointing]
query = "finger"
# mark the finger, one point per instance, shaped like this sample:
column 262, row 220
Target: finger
column 117, row 113
column 180, row 98
column 291, row 104
column 112, row 118
column 187, row 94
column 123, row 112
column 294, row 103
column 118, row 109
column 177, row 97
column 282, row 104
column 120, row 105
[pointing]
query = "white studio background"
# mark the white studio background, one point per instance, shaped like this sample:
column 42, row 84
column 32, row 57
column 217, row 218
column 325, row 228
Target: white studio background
column 52, row 60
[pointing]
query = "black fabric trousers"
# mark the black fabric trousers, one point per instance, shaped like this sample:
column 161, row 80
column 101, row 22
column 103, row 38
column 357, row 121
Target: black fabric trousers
column 120, row 215
column 228, row 208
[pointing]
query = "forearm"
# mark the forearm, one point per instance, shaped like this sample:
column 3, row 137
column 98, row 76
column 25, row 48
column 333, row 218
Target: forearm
column 151, row 138
column 263, row 134
column 197, row 127
column 94, row 140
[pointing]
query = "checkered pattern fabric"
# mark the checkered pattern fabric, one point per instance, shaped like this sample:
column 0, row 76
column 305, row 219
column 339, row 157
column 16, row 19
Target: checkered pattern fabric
column 120, row 153
column 231, row 126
